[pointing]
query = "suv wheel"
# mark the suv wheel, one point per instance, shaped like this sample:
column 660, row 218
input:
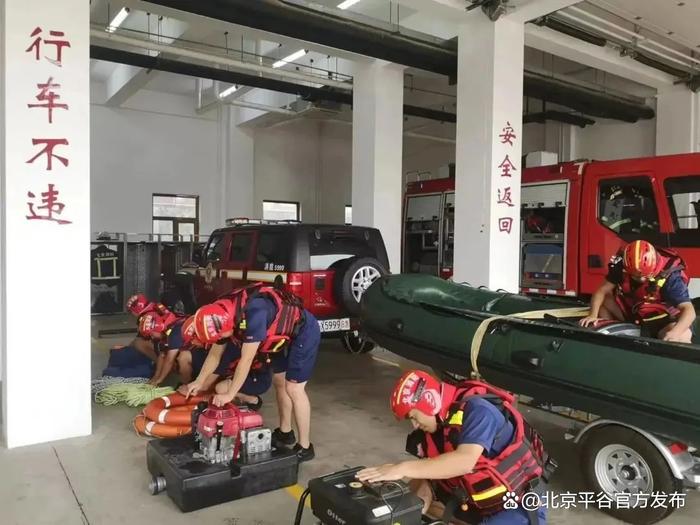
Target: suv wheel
column 356, row 343
column 353, row 277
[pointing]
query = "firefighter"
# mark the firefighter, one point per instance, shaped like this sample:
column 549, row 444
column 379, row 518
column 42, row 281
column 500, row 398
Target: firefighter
column 647, row 286
column 139, row 305
column 476, row 452
column 272, row 326
column 191, row 358
column 164, row 330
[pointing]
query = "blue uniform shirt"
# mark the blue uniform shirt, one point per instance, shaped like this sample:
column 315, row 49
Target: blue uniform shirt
column 260, row 312
column 485, row 425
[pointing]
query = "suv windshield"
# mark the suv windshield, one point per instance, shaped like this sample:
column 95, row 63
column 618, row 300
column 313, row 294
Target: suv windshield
column 328, row 246
column 215, row 248
column 683, row 195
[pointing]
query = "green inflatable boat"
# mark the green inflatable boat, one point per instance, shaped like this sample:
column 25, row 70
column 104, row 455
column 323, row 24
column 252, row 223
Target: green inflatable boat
column 533, row 346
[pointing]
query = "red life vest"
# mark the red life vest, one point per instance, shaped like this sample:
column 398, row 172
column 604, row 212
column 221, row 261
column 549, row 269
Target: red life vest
column 513, row 470
column 642, row 300
column 288, row 317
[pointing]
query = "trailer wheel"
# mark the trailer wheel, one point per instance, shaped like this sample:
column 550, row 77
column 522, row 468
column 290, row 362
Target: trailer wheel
column 617, row 460
column 356, row 342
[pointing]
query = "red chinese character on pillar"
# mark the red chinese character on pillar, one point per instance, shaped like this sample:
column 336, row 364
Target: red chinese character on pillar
column 506, row 167
column 507, row 134
column 60, row 44
column 505, row 196
column 505, row 224
column 49, row 96
column 49, row 145
column 50, row 203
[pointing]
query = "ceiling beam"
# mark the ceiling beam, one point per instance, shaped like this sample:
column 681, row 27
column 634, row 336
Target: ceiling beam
column 602, row 58
column 126, row 81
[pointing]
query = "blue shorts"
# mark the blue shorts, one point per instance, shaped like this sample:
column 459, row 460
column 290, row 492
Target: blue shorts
column 199, row 355
column 299, row 358
column 258, row 382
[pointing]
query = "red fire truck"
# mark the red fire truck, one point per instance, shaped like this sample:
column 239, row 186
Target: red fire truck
column 574, row 217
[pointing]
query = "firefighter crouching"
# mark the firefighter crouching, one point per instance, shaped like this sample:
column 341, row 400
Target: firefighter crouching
column 477, row 452
column 647, row 286
column 270, row 324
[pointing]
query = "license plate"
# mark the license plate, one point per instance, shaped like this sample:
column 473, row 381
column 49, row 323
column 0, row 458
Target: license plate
column 334, row 325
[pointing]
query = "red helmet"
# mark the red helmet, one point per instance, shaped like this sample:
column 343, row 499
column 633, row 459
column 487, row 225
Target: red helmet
column 640, row 259
column 419, row 390
column 151, row 323
column 188, row 335
column 138, row 304
column 212, row 320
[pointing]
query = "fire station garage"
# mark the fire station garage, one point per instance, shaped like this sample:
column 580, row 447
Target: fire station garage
column 350, row 262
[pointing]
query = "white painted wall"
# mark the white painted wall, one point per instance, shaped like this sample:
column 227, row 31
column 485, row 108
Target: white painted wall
column 336, row 171
column 156, row 143
column 609, row 140
column 287, row 166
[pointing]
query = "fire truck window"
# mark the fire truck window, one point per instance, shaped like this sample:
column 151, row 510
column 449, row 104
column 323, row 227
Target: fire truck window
column 683, row 194
column 273, row 251
column 240, row 247
column 215, row 248
column 627, row 206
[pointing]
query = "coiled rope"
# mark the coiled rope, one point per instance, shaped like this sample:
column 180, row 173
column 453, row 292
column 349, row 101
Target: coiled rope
column 133, row 394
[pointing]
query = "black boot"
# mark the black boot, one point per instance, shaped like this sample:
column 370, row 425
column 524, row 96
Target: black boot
column 283, row 439
column 305, row 454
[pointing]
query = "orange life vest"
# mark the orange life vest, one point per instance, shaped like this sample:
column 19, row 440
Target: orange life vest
column 515, row 469
column 288, row 318
column 643, row 300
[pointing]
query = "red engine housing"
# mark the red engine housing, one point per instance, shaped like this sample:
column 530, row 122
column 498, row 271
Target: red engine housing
column 233, row 420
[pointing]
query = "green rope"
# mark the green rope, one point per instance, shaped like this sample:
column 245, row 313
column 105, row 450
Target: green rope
column 132, row 394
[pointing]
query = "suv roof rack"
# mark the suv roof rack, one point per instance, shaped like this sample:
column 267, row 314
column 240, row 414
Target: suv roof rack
column 242, row 221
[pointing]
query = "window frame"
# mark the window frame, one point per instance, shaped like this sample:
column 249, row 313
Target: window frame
column 276, row 201
column 176, row 221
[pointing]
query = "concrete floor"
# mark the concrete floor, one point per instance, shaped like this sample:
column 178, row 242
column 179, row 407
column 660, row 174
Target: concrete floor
column 102, row 479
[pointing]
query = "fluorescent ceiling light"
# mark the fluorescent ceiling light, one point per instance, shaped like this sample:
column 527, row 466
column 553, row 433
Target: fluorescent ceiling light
column 291, row 58
column 118, row 20
column 226, row 92
column 347, row 3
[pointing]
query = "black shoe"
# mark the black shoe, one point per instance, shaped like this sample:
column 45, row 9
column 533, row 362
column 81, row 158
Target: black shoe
column 304, row 454
column 283, row 439
column 255, row 406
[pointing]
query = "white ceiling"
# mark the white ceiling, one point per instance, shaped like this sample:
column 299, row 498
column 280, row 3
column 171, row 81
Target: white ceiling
column 674, row 18
column 677, row 20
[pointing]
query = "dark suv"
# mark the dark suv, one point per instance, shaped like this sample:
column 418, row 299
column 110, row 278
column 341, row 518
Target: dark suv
column 329, row 267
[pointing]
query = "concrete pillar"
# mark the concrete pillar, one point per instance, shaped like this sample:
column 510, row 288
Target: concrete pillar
column 236, row 165
column 45, row 234
column 377, row 151
column 677, row 121
column 489, row 145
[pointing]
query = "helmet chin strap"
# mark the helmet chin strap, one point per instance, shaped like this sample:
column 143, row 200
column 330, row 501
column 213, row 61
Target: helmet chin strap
column 447, row 394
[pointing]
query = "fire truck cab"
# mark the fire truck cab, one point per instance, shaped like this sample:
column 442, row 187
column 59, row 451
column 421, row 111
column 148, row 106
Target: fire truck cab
column 574, row 217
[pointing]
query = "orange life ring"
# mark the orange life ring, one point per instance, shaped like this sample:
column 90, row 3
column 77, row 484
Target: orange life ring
column 144, row 427
column 174, row 409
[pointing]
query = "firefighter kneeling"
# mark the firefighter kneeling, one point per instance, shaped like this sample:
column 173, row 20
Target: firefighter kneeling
column 647, row 286
column 477, row 452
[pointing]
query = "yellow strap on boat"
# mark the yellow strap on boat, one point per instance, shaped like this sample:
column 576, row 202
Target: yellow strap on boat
column 483, row 328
